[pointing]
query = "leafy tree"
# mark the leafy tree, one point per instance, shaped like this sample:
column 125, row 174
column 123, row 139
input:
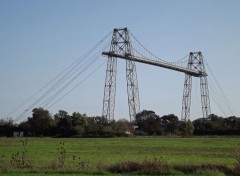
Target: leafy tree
column 24, row 126
column 97, row 125
column 6, row 127
column 79, row 119
column 186, row 128
column 232, row 122
column 170, row 123
column 122, row 127
column 148, row 122
column 79, row 123
column 216, row 125
column 216, row 122
column 199, row 124
column 64, row 123
column 40, row 122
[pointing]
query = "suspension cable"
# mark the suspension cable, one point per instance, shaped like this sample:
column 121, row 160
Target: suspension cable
column 50, row 99
column 176, row 63
column 67, row 69
column 63, row 77
column 82, row 81
column 215, row 97
column 92, row 60
column 219, row 90
column 146, row 48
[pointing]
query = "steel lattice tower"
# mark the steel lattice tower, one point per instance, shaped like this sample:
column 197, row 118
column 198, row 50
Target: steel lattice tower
column 120, row 44
column 195, row 62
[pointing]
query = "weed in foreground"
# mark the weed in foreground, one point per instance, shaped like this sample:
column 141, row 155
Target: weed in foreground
column 19, row 159
column 237, row 167
column 61, row 157
column 80, row 164
column 62, row 154
column 2, row 160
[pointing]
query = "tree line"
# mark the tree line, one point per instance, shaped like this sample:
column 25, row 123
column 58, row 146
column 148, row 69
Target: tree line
column 149, row 123
column 62, row 124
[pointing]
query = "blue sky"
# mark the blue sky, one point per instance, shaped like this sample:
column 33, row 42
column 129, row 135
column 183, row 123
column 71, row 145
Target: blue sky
column 39, row 38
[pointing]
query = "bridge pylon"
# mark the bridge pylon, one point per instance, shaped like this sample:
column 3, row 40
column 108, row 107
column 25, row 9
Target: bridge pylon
column 121, row 44
column 195, row 62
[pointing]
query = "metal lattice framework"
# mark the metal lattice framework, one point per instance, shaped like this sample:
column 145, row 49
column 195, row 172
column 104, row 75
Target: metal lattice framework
column 195, row 62
column 120, row 44
column 121, row 48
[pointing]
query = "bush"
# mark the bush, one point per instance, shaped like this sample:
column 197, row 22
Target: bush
column 154, row 166
column 125, row 167
column 189, row 169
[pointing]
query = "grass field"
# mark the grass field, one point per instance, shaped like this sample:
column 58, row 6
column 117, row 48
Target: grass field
column 91, row 156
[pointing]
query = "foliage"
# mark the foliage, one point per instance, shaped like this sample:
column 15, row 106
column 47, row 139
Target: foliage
column 150, row 123
column 215, row 125
column 121, row 127
column 64, row 124
column 6, row 127
column 147, row 122
column 170, row 123
column 186, row 128
column 40, row 122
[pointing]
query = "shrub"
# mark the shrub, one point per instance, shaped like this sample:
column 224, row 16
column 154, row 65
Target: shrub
column 189, row 169
column 154, row 166
column 125, row 167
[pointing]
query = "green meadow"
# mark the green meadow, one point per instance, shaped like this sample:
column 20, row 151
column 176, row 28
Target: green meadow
column 100, row 156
